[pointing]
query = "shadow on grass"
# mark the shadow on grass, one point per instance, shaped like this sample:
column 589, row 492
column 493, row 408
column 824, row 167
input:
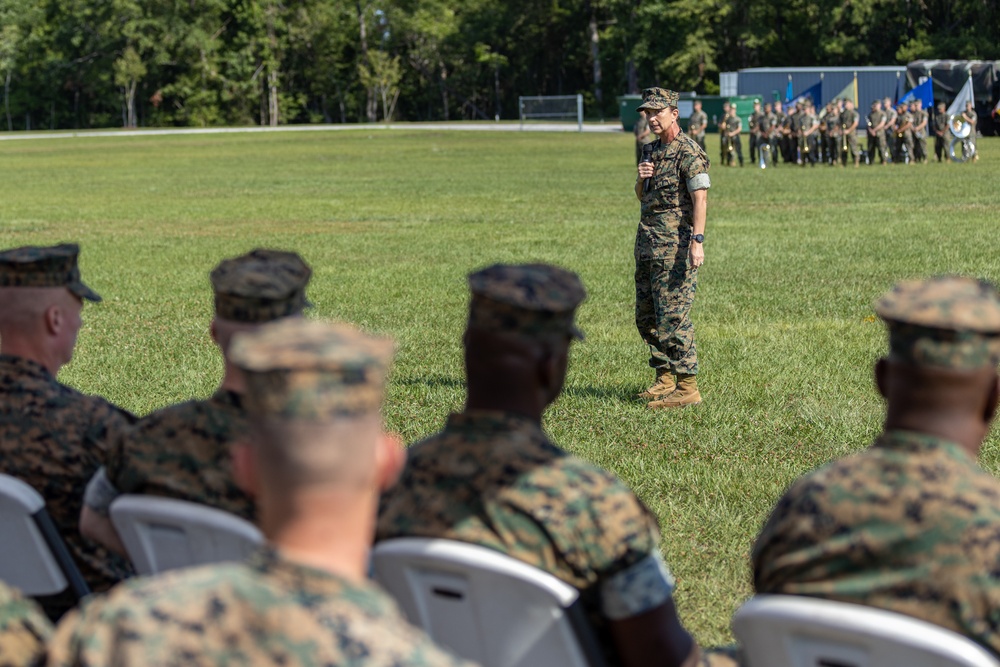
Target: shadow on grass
column 576, row 391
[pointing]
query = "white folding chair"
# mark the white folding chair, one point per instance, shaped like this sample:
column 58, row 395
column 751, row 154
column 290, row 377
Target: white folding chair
column 162, row 534
column 486, row 606
column 797, row 631
column 35, row 558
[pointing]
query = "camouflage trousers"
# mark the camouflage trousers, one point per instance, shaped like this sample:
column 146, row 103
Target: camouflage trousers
column 664, row 292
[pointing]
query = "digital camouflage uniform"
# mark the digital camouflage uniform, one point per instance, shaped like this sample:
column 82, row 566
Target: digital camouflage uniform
column 912, row 524
column 665, row 282
column 833, row 140
column 753, row 125
column 847, row 118
column 940, row 124
column 697, row 124
column 876, row 142
column 495, row 479
column 920, row 136
column 777, row 120
column 904, row 137
column 268, row 611
column 23, row 630
column 734, row 124
column 52, row 436
column 182, row 451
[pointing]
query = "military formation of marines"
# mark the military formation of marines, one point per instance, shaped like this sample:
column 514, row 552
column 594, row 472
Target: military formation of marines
column 802, row 134
column 293, row 440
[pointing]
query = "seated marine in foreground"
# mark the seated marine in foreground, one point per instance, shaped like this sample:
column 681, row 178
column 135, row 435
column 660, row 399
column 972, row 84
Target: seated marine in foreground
column 182, row 451
column 52, row 436
column 492, row 477
column 316, row 462
column 911, row 524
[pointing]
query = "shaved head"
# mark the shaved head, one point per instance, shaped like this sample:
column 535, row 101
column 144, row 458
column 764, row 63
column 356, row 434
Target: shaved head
column 298, row 455
column 24, row 307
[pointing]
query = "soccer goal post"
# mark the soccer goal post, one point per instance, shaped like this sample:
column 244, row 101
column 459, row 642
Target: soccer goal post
column 552, row 108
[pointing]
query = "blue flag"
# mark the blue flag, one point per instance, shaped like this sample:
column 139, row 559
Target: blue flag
column 924, row 92
column 813, row 93
column 788, row 90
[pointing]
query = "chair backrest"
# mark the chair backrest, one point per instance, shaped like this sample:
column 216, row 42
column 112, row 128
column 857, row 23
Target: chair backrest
column 485, row 606
column 162, row 534
column 796, row 631
column 34, row 557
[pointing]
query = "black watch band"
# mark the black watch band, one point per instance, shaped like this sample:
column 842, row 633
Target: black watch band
column 698, row 238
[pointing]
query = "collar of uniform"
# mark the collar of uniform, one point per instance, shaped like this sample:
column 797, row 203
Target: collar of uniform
column 313, row 582
column 492, row 421
column 12, row 364
column 227, row 398
column 914, row 441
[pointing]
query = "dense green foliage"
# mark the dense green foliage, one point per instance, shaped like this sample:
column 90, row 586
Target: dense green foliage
column 391, row 221
column 100, row 63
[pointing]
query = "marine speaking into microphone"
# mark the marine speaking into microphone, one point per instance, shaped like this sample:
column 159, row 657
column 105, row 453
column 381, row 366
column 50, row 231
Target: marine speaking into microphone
column 669, row 248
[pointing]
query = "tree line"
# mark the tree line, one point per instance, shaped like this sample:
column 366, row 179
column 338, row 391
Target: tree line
column 105, row 63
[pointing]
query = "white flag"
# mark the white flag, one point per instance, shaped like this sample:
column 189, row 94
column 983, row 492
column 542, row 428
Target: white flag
column 964, row 95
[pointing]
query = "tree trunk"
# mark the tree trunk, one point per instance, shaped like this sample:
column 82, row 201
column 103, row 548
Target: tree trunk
column 371, row 107
column 130, row 103
column 595, row 56
column 444, row 89
column 6, row 100
column 272, row 98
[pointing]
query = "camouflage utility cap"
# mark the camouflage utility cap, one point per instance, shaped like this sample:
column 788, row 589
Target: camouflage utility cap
column 260, row 286
column 300, row 369
column 655, row 99
column 946, row 321
column 532, row 300
column 53, row 266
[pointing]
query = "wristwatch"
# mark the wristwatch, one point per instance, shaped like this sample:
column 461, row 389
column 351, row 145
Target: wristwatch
column 698, row 238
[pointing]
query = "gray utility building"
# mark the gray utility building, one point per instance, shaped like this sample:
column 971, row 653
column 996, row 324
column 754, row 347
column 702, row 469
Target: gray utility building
column 771, row 83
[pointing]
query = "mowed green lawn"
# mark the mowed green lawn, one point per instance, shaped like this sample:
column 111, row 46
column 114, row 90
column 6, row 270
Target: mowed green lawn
column 391, row 222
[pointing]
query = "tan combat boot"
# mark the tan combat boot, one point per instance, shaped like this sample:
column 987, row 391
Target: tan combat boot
column 664, row 385
column 686, row 394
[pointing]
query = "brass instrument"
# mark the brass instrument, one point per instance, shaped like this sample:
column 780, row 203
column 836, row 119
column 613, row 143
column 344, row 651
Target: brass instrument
column 959, row 127
column 764, row 151
column 843, row 131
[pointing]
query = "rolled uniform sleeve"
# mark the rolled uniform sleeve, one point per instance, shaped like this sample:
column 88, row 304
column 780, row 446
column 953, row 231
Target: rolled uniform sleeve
column 100, row 492
column 645, row 585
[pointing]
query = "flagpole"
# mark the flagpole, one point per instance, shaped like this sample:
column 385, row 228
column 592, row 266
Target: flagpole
column 855, row 89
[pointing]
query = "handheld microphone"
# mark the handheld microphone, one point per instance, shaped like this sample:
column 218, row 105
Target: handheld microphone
column 647, row 156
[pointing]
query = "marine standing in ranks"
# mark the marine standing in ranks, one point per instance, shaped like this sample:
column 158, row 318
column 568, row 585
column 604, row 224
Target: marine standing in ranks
column 182, row 451
column 911, row 524
column 753, row 123
column 316, row 462
column 904, row 135
column 940, row 129
column 723, row 137
column 972, row 118
column 52, row 436
column 696, row 124
column 764, row 126
column 849, row 127
column 876, row 134
column 734, row 126
column 777, row 123
column 921, row 120
column 810, row 137
column 831, row 127
column 891, row 121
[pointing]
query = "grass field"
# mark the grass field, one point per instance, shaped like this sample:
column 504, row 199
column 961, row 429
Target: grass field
column 391, row 222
